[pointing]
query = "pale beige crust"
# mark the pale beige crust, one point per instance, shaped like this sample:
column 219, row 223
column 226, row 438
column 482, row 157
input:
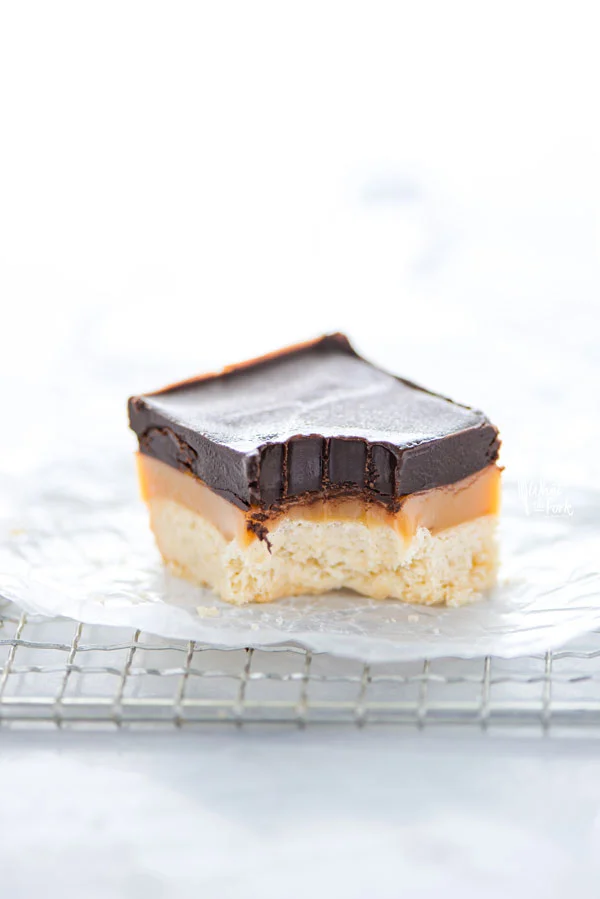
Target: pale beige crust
column 450, row 567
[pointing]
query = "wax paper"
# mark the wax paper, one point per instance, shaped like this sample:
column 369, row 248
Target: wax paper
column 76, row 543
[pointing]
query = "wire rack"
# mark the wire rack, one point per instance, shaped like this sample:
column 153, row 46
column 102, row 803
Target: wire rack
column 63, row 673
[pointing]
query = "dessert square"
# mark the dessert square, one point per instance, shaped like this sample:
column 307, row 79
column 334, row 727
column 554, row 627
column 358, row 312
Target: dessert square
column 311, row 469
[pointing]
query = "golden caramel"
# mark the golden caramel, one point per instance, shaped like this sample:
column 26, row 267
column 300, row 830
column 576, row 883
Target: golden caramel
column 436, row 509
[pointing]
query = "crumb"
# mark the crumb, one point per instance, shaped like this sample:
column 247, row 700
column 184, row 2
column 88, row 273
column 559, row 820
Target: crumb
column 413, row 619
column 254, row 626
column 17, row 532
column 207, row 611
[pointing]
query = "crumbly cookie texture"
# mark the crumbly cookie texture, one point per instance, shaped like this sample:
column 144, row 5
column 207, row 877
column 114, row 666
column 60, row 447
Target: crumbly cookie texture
column 451, row 567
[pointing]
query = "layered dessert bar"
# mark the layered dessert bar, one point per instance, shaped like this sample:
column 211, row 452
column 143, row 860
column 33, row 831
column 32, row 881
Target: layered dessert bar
column 311, row 469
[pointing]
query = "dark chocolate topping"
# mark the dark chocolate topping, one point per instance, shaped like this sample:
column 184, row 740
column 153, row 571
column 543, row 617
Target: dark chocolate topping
column 312, row 419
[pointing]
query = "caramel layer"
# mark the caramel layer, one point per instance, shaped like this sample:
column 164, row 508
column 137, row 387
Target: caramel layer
column 436, row 509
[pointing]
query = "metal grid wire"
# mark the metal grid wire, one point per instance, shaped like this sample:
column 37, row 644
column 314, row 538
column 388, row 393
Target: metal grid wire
column 64, row 673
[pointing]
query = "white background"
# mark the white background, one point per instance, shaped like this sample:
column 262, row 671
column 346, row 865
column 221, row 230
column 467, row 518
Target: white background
column 185, row 184
column 188, row 184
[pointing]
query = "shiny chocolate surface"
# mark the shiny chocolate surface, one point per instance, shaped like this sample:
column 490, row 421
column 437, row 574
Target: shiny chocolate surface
column 312, row 419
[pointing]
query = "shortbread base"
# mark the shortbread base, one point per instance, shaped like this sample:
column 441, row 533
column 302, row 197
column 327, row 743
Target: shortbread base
column 451, row 567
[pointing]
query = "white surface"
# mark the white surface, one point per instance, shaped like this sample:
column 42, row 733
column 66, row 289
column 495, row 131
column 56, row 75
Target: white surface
column 266, row 813
column 174, row 178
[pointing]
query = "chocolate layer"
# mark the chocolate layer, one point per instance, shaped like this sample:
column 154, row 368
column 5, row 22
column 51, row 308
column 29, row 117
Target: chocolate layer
column 312, row 419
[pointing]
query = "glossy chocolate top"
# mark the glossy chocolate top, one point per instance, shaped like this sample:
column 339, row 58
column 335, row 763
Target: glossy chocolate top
column 315, row 418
